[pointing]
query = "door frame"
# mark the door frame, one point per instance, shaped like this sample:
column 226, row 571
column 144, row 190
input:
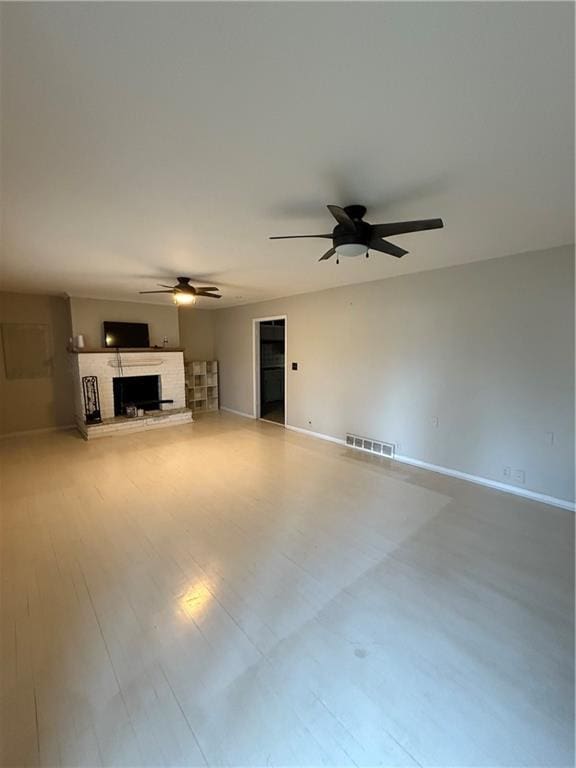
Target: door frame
column 256, row 365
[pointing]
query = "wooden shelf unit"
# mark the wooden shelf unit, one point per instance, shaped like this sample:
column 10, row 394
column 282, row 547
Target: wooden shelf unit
column 202, row 385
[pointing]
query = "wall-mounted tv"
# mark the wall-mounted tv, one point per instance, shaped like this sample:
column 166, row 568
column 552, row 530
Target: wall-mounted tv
column 126, row 334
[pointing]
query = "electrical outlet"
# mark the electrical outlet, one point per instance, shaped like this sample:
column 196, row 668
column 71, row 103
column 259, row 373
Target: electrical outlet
column 507, row 472
column 519, row 476
column 398, row 447
column 435, row 421
column 549, row 439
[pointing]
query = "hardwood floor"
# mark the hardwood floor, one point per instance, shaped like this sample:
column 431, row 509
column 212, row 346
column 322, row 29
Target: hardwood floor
column 231, row 593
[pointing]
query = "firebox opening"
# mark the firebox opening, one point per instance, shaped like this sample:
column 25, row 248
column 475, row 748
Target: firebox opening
column 140, row 391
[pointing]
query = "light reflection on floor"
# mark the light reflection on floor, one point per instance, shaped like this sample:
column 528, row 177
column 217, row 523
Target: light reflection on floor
column 195, row 599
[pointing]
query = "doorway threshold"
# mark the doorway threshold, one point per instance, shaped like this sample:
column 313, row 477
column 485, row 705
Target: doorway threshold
column 276, row 423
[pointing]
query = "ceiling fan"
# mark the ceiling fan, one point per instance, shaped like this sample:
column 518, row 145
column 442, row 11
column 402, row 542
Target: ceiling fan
column 352, row 236
column 184, row 293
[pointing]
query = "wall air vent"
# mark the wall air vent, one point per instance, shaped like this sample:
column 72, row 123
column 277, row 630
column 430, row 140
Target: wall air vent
column 379, row 447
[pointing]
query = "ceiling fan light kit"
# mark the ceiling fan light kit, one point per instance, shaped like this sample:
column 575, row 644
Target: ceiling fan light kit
column 352, row 236
column 182, row 299
column 351, row 249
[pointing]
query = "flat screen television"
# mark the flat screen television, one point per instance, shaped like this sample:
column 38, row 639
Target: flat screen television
column 126, row 334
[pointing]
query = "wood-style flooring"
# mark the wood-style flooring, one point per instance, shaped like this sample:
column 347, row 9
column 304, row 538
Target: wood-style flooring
column 228, row 593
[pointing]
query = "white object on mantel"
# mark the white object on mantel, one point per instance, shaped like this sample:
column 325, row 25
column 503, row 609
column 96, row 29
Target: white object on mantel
column 80, row 341
column 135, row 362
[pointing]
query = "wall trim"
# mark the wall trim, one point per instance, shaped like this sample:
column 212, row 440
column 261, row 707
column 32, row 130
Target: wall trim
column 320, row 435
column 237, row 413
column 43, row 431
column 495, row 484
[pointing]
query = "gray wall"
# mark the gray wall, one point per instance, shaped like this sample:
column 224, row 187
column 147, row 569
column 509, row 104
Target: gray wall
column 37, row 403
column 197, row 333
column 89, row 314
column 486, row 348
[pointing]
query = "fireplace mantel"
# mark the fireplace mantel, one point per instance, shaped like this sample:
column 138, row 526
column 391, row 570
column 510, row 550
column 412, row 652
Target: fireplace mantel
column 113, row 350
column 135, row 362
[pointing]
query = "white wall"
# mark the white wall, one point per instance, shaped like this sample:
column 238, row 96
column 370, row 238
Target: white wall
column 89, row 314
column 197, row 333
column 486, row 348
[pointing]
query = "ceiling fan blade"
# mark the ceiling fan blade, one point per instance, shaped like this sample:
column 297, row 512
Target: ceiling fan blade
column 328, row 254
column 167, row 286
column 403, row 227
column 208, row 295
column 296, row 237
column 170, row 291
column 385, row 247
column 207, row 288
column 342, row 217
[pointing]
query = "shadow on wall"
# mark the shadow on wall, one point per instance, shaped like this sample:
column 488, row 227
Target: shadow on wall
column 36, row 389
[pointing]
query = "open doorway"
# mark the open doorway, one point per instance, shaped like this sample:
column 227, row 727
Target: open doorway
column 270, row 369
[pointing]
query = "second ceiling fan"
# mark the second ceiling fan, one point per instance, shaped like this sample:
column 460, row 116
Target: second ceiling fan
column 185, row 293
column 352, row 236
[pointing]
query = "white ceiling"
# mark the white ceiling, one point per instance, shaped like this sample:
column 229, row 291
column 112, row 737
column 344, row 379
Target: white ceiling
column 142, row 141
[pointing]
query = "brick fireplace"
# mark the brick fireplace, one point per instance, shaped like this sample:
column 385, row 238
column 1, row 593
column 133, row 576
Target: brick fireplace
column 160, row 373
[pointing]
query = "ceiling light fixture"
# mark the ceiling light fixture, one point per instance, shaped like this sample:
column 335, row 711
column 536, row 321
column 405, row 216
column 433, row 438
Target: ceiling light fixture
column 184, row 298
column 351, row 249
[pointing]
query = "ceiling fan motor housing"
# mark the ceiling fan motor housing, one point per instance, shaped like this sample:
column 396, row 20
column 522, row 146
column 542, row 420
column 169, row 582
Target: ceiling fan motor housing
column 355, row 212
column 344, row 239
column 184, row 285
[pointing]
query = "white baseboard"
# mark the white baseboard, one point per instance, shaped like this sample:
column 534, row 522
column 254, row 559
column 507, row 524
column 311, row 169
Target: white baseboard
column 43, row 431
column 238, row 413
column 320, row 435
column 525, row 493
